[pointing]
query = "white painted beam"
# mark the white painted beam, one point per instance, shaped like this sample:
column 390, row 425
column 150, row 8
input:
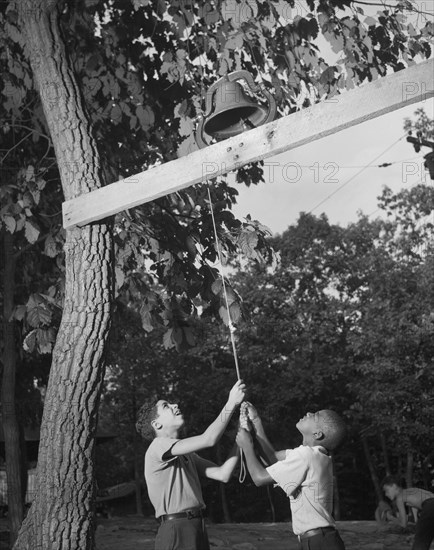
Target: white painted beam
column 366, row 102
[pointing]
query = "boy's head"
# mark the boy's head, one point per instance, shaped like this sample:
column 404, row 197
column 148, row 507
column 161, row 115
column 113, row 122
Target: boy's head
column 324, row 428
column 156, row 416
column 391, row 487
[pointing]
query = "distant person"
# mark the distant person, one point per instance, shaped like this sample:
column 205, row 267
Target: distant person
column 304, row 473
column 173, row 469
column 422, row 504
column 384, row 513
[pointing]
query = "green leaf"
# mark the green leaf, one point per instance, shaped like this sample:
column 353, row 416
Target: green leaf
column 146, row 116
column 29, row 343
column 146, row 318
column 37, row 311
column 217, row 286
column 10, row 223
column 30, row 173
column 235, row 313
column 140, row 4
column 31, row 231
column 44, row 340
column 370, row 21
column 247, row 242
column 168, row 340
column 116, row 114
column 50, row 248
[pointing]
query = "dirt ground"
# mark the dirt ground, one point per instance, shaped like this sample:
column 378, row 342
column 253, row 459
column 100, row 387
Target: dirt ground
column 138, row 533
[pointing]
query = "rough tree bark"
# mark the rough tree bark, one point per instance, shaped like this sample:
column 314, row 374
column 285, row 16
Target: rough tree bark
column 62, row 514
column 9, row 415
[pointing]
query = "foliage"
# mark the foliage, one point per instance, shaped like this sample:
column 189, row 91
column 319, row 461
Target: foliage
column 30, row 196
column 422, row 126
column 143, row 68
column 144, row 73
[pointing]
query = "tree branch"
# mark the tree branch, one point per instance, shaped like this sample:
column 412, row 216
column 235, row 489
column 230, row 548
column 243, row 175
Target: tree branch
column 384, row 5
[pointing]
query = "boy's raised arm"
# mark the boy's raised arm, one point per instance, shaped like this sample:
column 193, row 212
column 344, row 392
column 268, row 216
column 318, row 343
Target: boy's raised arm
column 222, row 473
column 272, row 456
column 215, row 430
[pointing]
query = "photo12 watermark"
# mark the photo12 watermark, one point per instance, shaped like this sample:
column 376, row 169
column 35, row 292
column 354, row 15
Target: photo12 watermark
column 289, row 172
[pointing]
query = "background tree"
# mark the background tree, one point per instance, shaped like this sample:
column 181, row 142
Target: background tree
column 31, row 243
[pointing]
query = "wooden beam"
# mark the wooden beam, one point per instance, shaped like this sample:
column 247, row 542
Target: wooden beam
column 366, row 102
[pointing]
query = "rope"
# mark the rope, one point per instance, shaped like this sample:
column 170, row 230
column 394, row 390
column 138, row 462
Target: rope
column 231, row 326
column 243, row 410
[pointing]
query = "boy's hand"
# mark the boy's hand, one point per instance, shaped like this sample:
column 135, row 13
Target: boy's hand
column 252, row 413
column 244, row 416
column 236, row 395
column 244, row 439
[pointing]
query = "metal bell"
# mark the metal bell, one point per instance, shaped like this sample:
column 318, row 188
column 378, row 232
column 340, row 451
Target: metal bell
column 229, row 111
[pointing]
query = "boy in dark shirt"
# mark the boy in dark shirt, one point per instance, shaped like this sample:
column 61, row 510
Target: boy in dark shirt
column 172, row 470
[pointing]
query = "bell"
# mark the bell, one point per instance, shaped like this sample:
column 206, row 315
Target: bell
column 229, row 111
column 233, row 111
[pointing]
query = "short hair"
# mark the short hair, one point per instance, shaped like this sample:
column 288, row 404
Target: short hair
column 147, row 413
column 333, row 428
column 391, row 480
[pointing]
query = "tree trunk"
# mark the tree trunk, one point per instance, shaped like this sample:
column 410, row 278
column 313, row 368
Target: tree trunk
column 385, row 454
column 373, row 473
column 336, row 499
column 426, row 471
column 138, row 474
column 409, row 469
column 138, row 459
column 13, row 456
column 62, row 515
column 272, row 507
column 222, row 488
column 399, row 467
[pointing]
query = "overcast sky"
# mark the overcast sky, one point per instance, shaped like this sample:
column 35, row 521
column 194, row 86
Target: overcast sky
column 329, row 175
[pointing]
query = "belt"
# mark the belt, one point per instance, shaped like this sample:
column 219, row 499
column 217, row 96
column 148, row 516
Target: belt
column 314, row 532
column 188, row 514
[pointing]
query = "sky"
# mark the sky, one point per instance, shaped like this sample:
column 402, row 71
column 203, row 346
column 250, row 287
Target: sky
column 338, row 175
column 328, row 175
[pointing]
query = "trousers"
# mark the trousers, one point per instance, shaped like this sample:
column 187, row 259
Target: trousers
column 182, row 534
column 327, row 541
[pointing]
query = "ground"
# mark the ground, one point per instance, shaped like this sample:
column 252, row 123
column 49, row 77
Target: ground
column 137, row 533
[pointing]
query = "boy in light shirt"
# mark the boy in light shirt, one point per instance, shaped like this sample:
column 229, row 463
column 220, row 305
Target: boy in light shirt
column 304, row 473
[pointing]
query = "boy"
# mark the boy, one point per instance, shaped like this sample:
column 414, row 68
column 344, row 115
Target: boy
column 304, row 473
column 417, row 499
column 172, row 470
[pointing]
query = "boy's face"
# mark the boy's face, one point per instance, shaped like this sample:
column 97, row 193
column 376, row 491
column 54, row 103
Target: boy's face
column 168, row 415
column 310, row 423
column 391, row 491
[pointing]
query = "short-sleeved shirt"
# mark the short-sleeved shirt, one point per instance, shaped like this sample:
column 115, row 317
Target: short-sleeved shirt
column 173, row 483
column 306, row 476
